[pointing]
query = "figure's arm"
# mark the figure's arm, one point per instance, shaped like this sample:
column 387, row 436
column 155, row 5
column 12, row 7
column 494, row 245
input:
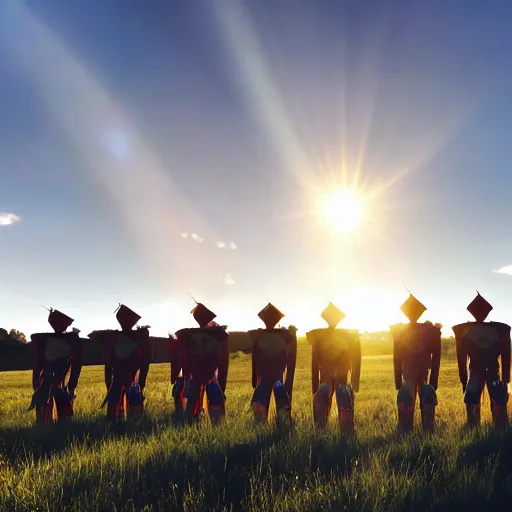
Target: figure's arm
column 146, row 357
column 505, row 356
column 462, row 357
column 315, row 367
column 436, row 358
column 290, row 364
column 356, row 365
column 38, row 340
column 223, row 363
column 255, row 356
column 175, row 357
column 76, row 362
column 397, row 363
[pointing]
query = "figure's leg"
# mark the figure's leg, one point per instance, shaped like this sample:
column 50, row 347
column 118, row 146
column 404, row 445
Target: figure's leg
column 405, row 400
column 428, row 403
column 177, row 394
column 283, row 405
column 322, row 400
column 216, row 402
column 116, row 398
column 261, row 400
column 472, row 398
column 44, row 402
column 345, row 403
column 192, row 399
column 63, row 404
column 134, row 402
column 498, row 392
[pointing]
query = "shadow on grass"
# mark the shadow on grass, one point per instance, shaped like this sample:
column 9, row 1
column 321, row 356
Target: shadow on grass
column 37, row 442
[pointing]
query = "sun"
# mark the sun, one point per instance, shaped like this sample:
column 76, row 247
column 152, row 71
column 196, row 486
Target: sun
column 343, row 210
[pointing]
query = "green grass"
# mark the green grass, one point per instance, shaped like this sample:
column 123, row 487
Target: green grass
column 160, row 466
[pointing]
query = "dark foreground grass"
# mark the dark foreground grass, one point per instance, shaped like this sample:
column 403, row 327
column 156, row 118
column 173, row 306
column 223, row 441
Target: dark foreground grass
column 158, row 465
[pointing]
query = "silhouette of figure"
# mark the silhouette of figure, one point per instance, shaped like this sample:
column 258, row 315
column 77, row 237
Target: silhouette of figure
column 127, row 355
column 273, row 351
column 201, row 355
column 483, row 344
column 335, row 355
column 416, row 350
column 57, row 354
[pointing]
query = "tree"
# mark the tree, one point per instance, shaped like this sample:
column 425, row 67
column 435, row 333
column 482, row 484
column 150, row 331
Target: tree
column 16, row 335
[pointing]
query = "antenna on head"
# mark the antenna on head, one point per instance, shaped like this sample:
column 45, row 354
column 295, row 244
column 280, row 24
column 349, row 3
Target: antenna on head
column 193, row 298
column 115, row 310
column 49, row 309
column 408, row 290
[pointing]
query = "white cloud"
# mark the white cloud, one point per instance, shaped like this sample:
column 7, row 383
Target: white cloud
column 228, row 279
column 196, row 237
column 232, row 246
column 184, row 234
column 504, row 270
column 220, row 244
column 7, row 219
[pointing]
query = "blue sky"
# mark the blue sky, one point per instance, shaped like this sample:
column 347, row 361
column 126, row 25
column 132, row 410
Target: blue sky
column 153, row 149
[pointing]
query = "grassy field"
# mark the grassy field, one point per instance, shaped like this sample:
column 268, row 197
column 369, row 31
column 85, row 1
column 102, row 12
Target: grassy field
column 159, row 466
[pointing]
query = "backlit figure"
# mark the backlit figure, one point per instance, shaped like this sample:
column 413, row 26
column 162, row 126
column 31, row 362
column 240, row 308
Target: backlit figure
column 336, row 369
column 201, row 355
column 416, row 350
column 274, row 351
column 484, row 344
column 127, row 356
column 56, row 355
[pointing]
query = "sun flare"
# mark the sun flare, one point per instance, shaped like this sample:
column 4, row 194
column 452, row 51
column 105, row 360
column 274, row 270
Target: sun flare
column 343, row 211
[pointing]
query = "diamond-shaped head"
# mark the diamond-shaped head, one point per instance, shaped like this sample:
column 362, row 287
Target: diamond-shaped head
column 479, row 308
column 59, row 321
column 270, row 316
column 332, row 315
column 412, row 308
column 202, row 315
column 126, row 317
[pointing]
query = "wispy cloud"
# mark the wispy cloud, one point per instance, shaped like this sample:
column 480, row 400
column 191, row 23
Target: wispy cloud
column 504, row 270
column 228, row 279
column 8, row 219
column 196, row 237
column 220, row 244
column 233, row 246
column 184, row 234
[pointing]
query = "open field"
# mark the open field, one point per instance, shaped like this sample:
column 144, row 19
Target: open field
column 159, row 466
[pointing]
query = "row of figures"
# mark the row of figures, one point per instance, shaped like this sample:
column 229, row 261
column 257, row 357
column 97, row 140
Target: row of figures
column 200, row 360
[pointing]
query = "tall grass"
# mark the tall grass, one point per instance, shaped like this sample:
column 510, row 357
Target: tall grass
column 158, row 465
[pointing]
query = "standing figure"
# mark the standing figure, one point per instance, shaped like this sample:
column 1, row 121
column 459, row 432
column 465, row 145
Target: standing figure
column 416, row 350
column 274, row 350
column 56, row 355
column 201, row 355
column 483, row 343
column 127, row 355
column 335, row 353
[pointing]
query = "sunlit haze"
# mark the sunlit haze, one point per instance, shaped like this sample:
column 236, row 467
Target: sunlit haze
column 246, row 152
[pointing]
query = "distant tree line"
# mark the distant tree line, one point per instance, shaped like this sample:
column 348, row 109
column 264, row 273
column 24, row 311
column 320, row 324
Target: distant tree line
column 17, row 353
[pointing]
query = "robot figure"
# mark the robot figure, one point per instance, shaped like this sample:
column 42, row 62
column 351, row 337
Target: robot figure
column 484, row 343
column 56, row 354
column 201, row 355
column 274, row 350
column 416, row 350
column 127, row 356
column 336, row 353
